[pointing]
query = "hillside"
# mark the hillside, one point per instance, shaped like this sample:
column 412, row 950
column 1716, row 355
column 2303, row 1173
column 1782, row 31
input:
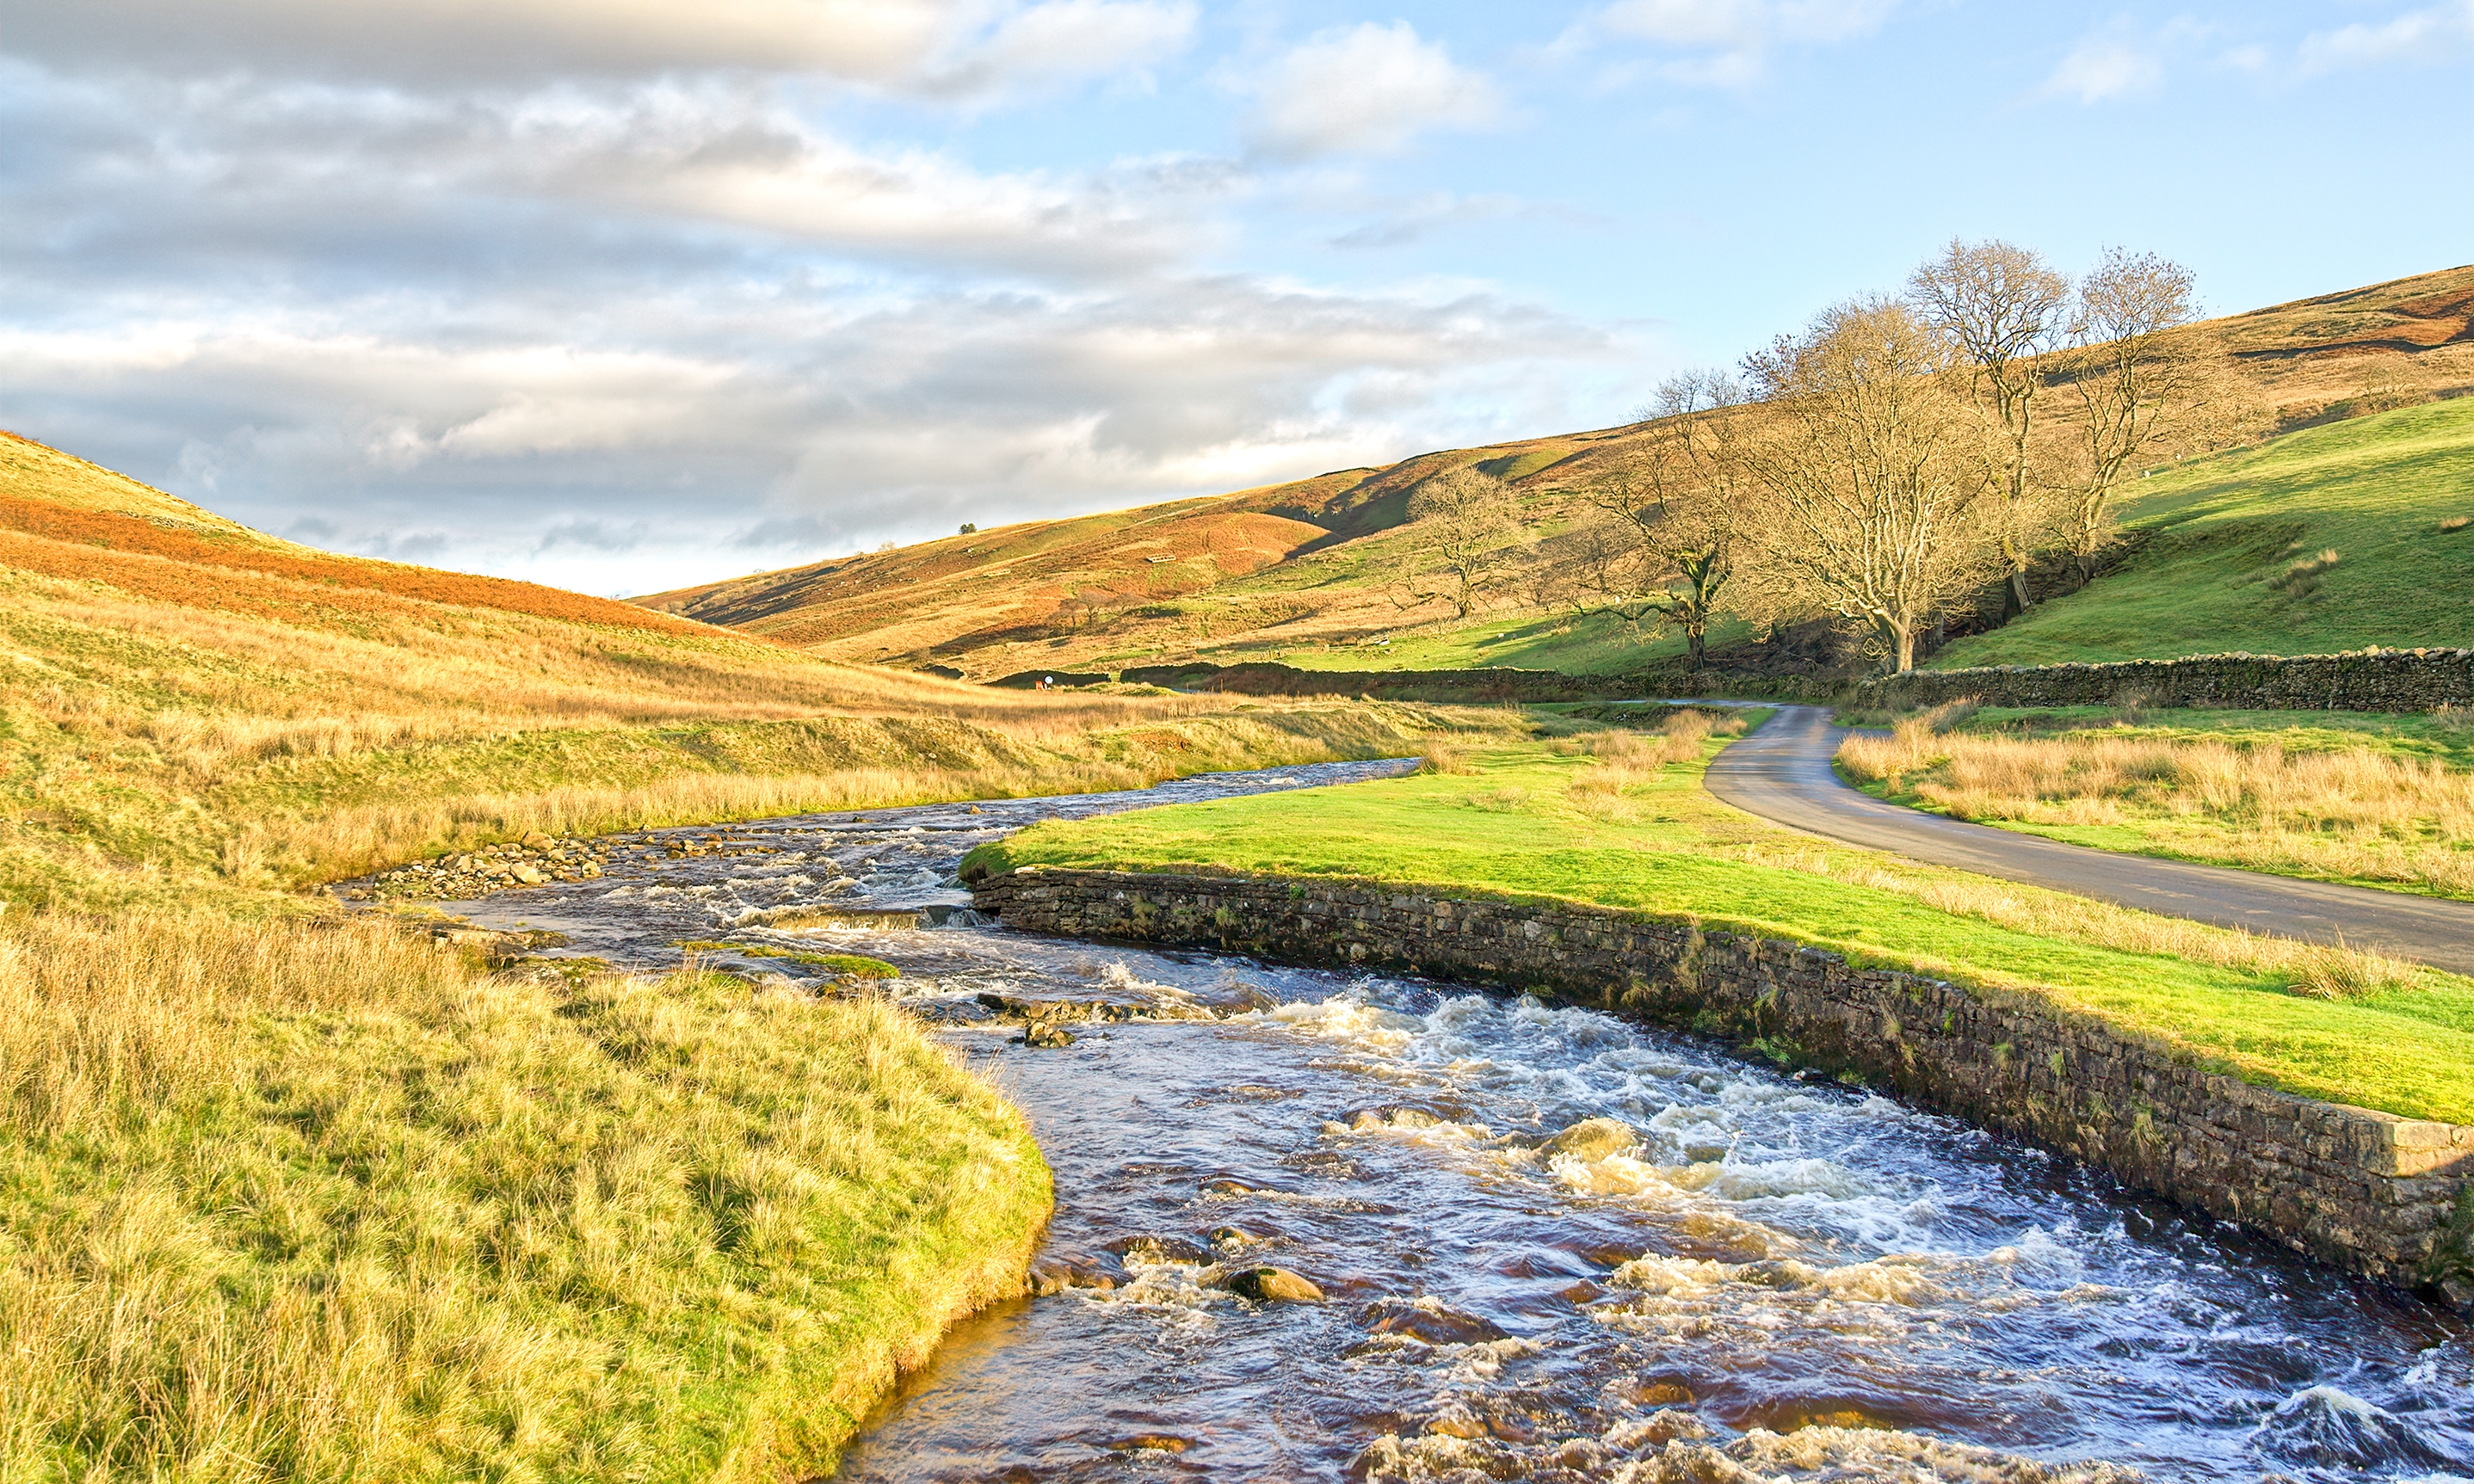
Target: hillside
column 292, row 1194
column 187, row 704
column 2330, row 539
column 1298, row 572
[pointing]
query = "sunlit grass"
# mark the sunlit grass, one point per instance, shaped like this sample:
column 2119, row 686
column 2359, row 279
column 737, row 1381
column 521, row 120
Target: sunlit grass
column 2387, row 802
column 1524, row 822
column 2364, row 501
column 289, row 1201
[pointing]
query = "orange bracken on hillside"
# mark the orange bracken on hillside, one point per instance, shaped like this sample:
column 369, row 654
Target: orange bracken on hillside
column 161, row 563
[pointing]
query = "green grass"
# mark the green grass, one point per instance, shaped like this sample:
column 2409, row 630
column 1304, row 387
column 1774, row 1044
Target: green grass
column 854, row 965
column 2218, row 531
column 1514, row 827
column 1600, row 645
column 2447, row 739
column 283, row 1203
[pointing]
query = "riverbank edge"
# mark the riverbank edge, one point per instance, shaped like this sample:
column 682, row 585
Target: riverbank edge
column 2387, row 1197
column 789, row 1440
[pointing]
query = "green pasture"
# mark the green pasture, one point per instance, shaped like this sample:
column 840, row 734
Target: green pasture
column 1514, row 827
column 2219, row 536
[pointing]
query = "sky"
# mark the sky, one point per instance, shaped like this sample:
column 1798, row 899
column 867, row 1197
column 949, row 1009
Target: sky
column 626, row 295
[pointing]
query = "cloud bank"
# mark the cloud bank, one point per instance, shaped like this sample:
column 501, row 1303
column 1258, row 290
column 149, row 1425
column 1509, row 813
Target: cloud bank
column 613, row 295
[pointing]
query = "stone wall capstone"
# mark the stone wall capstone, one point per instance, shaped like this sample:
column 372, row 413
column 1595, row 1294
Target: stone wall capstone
column 2383, row 680
column 2388, row 1197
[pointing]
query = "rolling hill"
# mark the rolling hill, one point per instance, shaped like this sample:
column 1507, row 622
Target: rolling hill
column 187, row 705
column 1298, row 572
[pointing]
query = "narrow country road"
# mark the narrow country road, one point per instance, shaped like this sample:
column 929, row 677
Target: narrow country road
column 1783, row 774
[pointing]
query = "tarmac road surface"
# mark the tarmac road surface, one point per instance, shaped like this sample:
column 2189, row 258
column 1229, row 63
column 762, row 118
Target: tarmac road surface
column 1783, row 774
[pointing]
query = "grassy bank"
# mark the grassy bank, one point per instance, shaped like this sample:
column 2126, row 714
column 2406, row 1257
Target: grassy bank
column 2373, row 800
column 152, row 748
column 285, row 1197
column 314, row 1201
column 1586, row 820
column 2331, row 538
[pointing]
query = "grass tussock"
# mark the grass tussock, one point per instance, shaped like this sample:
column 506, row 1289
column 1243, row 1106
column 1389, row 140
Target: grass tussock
column 315, row 1201
column 2356, row 813
column 1625, row 760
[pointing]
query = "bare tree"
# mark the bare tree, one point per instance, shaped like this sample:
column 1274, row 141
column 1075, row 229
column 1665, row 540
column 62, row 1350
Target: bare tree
column 2134, row 379
column 1866, row 466
column 2005, row 309
column 1660, row 546
column 1464, row 537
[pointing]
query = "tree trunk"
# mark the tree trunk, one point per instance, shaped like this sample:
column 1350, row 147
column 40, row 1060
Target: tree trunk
column 1695, row 642
column 2021, row 599
column 1906, row 636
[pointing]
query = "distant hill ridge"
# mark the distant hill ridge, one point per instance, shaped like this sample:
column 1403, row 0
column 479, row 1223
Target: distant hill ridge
column 1287, row 569
column 65, row 517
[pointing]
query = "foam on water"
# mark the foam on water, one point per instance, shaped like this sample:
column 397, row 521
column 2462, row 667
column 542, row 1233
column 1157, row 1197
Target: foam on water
column 1768, row 1279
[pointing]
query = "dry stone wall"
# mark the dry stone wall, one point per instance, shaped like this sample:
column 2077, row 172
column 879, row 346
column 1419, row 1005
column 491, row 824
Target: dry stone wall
column 2388, row 1197
column 2384, row 680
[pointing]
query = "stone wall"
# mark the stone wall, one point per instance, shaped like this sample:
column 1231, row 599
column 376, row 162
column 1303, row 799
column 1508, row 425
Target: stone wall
column 2387, row 680
column 2393, row 1198
column 1480, row 685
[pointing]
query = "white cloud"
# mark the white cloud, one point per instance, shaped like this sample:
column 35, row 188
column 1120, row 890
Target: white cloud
column 2103, row 68
column 1366, row 90
column 1727, row 42
column 711, row 428
column 624, row 332
column 925, row 46
column 2437, row 34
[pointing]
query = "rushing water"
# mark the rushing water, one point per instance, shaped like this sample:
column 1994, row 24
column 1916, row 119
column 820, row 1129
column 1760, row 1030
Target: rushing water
column 1781, row 1279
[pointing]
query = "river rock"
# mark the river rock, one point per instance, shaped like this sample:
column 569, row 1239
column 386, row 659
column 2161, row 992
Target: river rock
column 1592, row 1140
column 1267, row 1284
column 1056, row 1275
column 1147, row 1247
column 1046, row 1033
column 1433, row 1323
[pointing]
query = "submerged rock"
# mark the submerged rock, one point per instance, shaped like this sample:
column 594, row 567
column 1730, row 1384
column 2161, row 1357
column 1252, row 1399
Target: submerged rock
column 1056, row 1275
column 1431, row 1320
column 2333, row 1428
column 1266, row 1284
column 1592, row 1140
column 1147, row 1247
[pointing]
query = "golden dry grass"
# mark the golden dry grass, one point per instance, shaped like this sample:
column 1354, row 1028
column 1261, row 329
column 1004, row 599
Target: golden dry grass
column 287, row 1197
column 1628, row 759
column 315, row 1201
column 2351, row 814
column 152, row 746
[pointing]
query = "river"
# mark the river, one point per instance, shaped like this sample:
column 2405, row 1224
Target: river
column 1774, row 1277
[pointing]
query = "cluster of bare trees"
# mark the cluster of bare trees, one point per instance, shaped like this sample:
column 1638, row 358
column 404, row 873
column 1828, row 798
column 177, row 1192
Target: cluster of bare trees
column 1885, row 466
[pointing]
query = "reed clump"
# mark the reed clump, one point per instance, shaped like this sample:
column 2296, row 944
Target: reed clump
column 2355, row 814
column 316, row 1200
column 1625, row 759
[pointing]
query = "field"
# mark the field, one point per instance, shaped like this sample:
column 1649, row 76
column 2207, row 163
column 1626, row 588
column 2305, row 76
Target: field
column 285, row 1195
column 1589, row 819
column 2375, row 800
column 1299, row 572
column 2331, row 538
